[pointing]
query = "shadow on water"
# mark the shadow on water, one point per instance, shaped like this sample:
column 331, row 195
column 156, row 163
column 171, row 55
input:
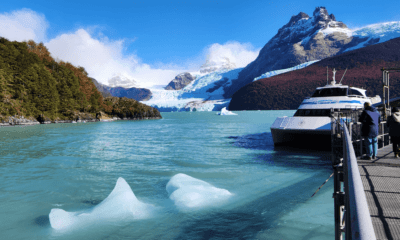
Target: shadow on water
column 91, row 202
column 240, row 224
column 286, row 156
column 264, row 141
column 258, row 141
column 42, row 221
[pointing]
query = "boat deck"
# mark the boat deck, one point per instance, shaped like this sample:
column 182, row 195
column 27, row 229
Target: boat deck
column 381, row 181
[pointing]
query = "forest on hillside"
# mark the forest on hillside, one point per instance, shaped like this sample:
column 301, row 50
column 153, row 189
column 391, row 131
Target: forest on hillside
column 34, row 85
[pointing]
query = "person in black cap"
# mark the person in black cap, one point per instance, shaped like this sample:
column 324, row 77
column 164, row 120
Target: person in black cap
column 393, row 123
column 370, row 119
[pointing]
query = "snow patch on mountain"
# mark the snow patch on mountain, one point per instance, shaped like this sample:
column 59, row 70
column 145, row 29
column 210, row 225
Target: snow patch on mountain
column 277, row 72
column 382, row 31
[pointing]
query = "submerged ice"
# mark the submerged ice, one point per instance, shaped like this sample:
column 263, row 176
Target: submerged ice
column 120, row 204
column 191, row 193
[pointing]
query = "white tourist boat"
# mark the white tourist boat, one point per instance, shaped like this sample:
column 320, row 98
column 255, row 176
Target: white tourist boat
column 311, row 122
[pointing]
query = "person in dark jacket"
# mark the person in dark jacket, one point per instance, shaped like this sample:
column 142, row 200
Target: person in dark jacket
column 370, row 119
column 393, row 123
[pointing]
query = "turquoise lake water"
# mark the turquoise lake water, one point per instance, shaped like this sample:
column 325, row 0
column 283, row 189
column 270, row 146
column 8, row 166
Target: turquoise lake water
column 74, row 167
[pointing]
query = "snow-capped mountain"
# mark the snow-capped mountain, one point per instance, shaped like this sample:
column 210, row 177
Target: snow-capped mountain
column 180, row 81
column 122, row 81
column 205, row 93
column 222, row 63
column 303, row 41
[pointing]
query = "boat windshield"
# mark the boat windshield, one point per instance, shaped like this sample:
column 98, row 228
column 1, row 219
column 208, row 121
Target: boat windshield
column 312, row 113
column 330, row 92
column 353, row 91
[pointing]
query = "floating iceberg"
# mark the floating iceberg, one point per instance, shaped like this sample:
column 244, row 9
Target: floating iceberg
column 226, row 112
column 120, row 204
column 190, row 193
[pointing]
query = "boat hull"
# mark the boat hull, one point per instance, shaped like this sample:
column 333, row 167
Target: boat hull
column 310, row 132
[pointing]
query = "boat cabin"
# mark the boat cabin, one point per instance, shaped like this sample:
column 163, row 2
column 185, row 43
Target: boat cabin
column 331, row 97
column 339, row 91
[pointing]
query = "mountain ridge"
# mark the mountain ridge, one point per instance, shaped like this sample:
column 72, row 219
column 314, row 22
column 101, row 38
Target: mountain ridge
column 288, row 90
column 301, row 40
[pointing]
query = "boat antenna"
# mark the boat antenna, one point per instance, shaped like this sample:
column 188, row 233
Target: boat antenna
column 327, row 80
column 343, row 76
column 333, row 78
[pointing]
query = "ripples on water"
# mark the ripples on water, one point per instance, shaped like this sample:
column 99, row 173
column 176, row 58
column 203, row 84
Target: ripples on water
column 75, row 166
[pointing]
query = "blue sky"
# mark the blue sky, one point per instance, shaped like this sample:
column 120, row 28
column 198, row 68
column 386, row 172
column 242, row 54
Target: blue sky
column 151, row 41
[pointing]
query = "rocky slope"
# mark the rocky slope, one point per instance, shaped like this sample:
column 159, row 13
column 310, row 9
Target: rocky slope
column 180, row 81
column 302, row 39
column 101, row 88
column 287, row 90
column 139, row 94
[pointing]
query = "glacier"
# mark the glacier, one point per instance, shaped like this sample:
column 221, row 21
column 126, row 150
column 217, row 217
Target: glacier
column 206, row 92
column 277, row 72
column 383, row 31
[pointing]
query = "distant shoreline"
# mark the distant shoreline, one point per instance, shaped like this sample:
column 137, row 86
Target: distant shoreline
column 27, row 123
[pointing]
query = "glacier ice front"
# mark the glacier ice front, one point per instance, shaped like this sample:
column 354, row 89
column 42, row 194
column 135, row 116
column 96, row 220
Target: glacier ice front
column 120, row 204
column 189, row 193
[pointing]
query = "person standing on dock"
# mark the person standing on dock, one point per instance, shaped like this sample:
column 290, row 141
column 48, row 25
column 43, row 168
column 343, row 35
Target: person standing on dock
column 370, row 119
column 393, row 123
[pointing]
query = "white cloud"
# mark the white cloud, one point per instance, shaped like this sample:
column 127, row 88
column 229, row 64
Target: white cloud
column 104, row 59
column 241, row 54
column 23, row 25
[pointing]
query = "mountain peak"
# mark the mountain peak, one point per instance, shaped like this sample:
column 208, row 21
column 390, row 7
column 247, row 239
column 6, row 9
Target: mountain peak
column 121, row 81
column 320, row 13
column 321, row 19
column 295, row 18
column 222, row 63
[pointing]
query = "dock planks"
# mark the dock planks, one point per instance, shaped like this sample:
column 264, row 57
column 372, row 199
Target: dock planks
column 381, row 181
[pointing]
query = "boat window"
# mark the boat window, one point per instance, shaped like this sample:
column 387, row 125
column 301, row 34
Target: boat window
column 313, row 113
column 330, row 92
column 354, row 92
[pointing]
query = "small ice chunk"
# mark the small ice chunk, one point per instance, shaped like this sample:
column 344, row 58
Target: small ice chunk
column 191, row 193
column 226, row 112
column 120, row 204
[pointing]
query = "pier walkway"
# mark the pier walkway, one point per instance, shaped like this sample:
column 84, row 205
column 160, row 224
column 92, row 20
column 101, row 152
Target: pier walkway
column 381, row 181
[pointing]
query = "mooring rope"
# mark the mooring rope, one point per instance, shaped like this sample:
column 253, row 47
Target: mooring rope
column 322, row 184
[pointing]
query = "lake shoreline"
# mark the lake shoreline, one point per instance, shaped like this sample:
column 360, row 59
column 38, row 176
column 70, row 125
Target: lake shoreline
column 23, row 122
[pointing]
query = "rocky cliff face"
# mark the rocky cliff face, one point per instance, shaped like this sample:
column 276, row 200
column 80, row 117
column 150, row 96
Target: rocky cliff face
column 302, row 39
column 139, row 94
column 180, row 81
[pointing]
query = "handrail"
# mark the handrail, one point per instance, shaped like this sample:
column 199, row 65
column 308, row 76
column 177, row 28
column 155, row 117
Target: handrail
column 358, row 220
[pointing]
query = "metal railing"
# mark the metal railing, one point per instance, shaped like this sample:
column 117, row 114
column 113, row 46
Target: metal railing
column 357, row 218
column 350, row 206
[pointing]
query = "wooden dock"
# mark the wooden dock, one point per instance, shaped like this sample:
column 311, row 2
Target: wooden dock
column 381, row 181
